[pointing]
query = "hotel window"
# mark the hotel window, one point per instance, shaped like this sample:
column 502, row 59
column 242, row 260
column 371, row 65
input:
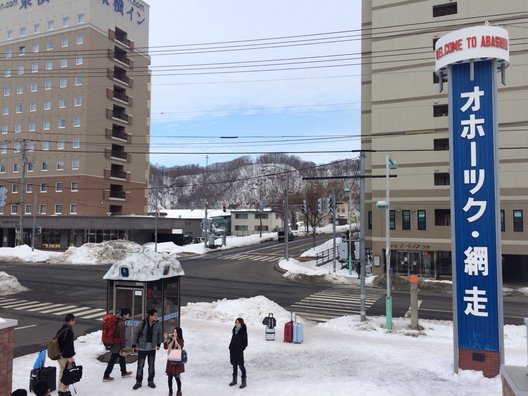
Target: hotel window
column 33, row 106
column 7, row 72
column 60, row 144
column 43, row 208
column 75, row 164
column 77, row 101
column 43, row 187
column 23, row 31
column 16, row 167
column 18, row 108
column 47, row 104
column 59, row 186
column 45, row 145
column 22, row 50
column 16, row 147
column 76, row 121
column 406, row 219
column 14, row 188
column 30, row 167
column 440, row 110
column 33, row 87
column 61, row 123
column 392, row 219
column 78, row 59
column 76, row 143
column 65, row 42
column 8, row 53
column 34, row 67
column 442, row 217
column 32, row 126
column 49, row 65
column 7, row 91
column 2, row 168
column 65, row 21
column 3, row 149
column 60, row 164
column 31, row 145
column 9, row 35
column 78, row 80
column 36, row 28
column 64, row 63
column 44, row 166
column 4, row 129
column 518, row 225
column 444, row 9
column 58, row 208
column 422, row 220
column 441, row 179
column 46, row 125
column 51, row 25
column 18, row 127
column 47, row 85
column 20, row 70
column 73, row 209
column 63, row 82
column 36, row 47
column 28, row 209
column 20, row 89
column 14, row 209
column 49, row 45
column 79, row 39
column 5, row 110
column 80, row 18
column 62, row 103
column 74, row 186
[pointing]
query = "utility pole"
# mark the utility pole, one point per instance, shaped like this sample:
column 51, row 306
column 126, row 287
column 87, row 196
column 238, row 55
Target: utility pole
column 362, row 233
column 206, row 222
column 156, row 222
column 332, row 211
column 286, row 220
column 20, row 238
column 34, row 219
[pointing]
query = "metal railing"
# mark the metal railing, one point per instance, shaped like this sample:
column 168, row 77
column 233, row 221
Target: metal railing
column 324, row 257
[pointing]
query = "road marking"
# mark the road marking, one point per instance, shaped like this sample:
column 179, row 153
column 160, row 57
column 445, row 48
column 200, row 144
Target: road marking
column 34, row 304
column 68, row 307
column 25, row 327
column 51, row 308
column 408, row 313
column 14, row 304
column 334, row 302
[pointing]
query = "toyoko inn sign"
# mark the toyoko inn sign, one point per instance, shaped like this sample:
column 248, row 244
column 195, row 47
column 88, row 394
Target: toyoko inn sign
column 470, row 58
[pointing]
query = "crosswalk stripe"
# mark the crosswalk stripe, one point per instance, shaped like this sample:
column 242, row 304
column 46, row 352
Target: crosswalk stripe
column 96, row 315
column 4, row 300
column 75, row 310
column 15, row 304
column 93, row 311
column 35, row 304
column 250, row 257
column 58, row 307
column 45, row 305
column 334, row 302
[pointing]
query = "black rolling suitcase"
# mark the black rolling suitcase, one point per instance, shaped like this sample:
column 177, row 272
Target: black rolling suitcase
column 46, row 374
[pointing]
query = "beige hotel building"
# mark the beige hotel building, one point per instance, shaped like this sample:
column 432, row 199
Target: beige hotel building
column 75, row 105
column 405, row 116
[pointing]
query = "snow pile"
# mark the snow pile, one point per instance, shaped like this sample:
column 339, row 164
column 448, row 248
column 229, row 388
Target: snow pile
column 97, row 253
column 299, row 270
column 9, row 284
column 321, row 248
column 24, row 254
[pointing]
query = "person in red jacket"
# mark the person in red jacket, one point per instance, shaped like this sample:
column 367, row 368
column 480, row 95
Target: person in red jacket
column 65, row 338
column 116, row 350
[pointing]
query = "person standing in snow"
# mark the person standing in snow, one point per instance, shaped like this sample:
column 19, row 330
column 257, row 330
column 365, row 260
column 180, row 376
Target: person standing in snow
column 65, row 338
column 148, row 337
column 237, row 346
column 116, row 350
column 173, row 370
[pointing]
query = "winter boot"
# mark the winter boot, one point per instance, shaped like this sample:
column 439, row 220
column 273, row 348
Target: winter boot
column 234, row 382
column 243, row 384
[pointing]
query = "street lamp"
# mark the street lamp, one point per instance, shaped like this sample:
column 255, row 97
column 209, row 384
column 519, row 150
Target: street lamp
column 389, row 164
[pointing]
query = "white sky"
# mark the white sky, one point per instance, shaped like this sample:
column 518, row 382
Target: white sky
column 341, row 357
column 316, row 101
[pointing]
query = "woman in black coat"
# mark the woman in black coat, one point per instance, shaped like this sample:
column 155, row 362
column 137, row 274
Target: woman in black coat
column 236, row 351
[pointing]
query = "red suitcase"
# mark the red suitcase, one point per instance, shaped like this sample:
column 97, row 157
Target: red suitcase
column 288, row 331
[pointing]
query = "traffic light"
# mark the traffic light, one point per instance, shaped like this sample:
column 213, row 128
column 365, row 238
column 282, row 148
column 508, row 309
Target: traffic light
column 305, row 206
column 319, row 205
column 3, row 196
column 329, row 205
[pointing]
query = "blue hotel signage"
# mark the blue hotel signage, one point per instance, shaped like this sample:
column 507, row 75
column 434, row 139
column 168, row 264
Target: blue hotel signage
column 133, row 10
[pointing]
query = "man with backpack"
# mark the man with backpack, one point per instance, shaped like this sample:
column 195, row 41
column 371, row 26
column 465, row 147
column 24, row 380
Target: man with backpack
column 116, row 339
column 148, row 338
column 67, row 350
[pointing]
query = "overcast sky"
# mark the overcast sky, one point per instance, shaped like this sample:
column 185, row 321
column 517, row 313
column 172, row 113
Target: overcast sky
column 195, row 103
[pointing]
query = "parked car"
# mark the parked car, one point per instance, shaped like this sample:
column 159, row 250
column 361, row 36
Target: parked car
column 280, row 236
